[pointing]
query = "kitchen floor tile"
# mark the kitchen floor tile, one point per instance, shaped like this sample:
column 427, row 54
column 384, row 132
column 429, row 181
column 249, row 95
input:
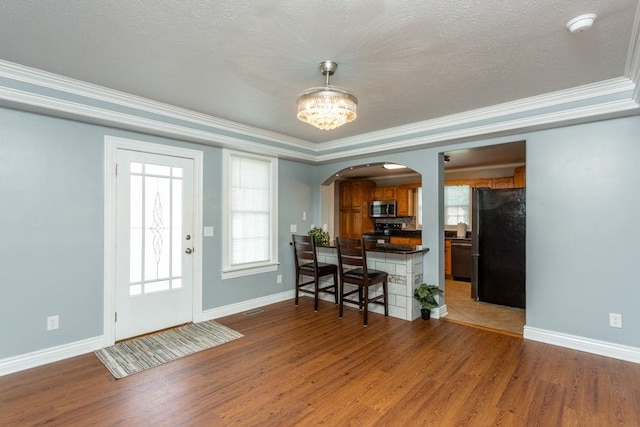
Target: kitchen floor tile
column 463, row 309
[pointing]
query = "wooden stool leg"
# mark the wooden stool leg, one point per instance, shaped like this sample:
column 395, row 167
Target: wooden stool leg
column 365, row 289
column 341, row 299
column 316, row 284
column 335, row 286
column 297, row 287
column 386, row 296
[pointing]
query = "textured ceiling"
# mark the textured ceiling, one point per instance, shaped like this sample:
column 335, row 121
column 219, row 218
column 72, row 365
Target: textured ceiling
column 246, row 61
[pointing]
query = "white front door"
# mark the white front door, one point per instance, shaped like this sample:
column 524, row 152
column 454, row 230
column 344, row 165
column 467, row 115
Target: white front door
column 154, row 242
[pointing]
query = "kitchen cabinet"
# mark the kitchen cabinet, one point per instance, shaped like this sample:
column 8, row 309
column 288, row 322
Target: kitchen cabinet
column 399, row 240
column 519, row 179
column 404, row 195
column 504, row 182
column 447, row 258
column 354, row 208
column 384, row 193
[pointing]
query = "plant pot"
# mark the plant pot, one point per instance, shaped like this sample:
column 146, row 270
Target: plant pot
column 426, row 313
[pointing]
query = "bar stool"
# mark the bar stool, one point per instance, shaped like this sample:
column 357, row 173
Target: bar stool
column 306, row 259
column 351, row 252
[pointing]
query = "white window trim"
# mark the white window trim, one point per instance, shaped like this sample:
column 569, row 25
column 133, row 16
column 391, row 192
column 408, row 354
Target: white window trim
column 229, row 271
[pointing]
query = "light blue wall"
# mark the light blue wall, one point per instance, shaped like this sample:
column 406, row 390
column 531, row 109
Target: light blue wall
column 583, row 199
column 582, row 203
column 52, row 237
column 51, row 227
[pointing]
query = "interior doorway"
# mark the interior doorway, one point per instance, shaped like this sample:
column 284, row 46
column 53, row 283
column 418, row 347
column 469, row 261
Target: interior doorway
column 498, row 167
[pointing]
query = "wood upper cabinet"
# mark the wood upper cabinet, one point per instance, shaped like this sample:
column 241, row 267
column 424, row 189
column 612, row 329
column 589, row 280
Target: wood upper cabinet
column 384, row 193
column 505, row 182
column 502, row 182
column 404, row 196
column 360, row 191
column 519, row 177
column 354, row 208
column 345, row 195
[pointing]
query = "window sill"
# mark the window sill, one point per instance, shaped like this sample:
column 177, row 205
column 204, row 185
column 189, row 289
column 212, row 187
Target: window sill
column 248, row 271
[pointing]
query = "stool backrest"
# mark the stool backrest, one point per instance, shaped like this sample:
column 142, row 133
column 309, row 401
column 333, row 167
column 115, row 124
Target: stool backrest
column 304, row 250
column 351, row 252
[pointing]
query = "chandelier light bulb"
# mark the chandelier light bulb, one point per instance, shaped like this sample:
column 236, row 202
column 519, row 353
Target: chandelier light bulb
column 327, row 107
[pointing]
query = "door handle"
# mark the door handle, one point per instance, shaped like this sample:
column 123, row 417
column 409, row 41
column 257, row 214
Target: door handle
column 188, row 251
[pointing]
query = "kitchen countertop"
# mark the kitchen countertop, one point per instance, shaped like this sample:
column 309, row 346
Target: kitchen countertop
column 387, row 248
column 395, row 249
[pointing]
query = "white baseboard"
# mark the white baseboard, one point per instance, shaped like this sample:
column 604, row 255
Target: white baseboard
column 602, row 348
column 439, row 312
column 240, row 307
column 65, row 351
column 49, row 355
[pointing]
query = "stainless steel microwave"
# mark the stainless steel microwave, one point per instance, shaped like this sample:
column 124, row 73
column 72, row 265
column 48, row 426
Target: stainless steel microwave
column 383, row 209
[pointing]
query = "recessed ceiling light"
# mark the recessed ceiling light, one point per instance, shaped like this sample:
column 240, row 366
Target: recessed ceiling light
column 393, row 166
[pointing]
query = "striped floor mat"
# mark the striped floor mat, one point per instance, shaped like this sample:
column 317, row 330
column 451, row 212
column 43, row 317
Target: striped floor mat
column 133, row 356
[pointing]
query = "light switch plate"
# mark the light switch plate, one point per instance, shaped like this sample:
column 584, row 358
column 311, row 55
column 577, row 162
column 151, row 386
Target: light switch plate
column 208, row 231
column 294, row 228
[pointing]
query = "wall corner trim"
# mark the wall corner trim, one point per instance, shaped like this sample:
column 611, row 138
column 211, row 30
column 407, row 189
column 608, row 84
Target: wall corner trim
column 602, row 348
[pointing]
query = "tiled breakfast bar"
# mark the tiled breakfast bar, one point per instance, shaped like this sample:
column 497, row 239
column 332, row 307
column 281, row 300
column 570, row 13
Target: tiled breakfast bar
column 404, row 263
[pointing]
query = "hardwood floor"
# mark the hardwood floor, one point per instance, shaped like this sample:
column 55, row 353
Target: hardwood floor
column 461, row 308
column 297, row 367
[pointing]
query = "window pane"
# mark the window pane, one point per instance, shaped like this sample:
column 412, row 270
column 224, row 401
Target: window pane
column 249, row 210
column 135, row 167
column 457, row 199
column 150, row 169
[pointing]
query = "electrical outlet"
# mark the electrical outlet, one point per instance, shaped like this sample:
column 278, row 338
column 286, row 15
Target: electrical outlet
column 293, row 228
column 53, row 322
column 279, row 278
column 615, row 320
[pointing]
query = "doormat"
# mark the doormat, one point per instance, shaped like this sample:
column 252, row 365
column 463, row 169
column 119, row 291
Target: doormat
column 133, row 356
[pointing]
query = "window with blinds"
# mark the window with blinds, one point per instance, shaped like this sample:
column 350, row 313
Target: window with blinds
column 249, row 214
column 457, row 204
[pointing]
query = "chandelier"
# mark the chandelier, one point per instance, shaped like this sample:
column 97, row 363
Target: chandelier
column 327, row 107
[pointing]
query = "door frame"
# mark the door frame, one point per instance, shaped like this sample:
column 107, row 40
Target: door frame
column 111, row 145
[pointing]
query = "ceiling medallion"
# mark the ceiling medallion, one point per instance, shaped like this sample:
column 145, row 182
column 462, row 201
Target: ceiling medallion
column 327, row 107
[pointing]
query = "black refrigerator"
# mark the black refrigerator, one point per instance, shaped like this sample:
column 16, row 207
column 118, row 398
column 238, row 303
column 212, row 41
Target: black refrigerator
column 498, row 246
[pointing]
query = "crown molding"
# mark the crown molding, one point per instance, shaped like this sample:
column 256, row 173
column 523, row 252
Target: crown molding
column 74, row 110
column 567, row 116
column 545, row 101
column 471, row 124
column 632, row 69
column 63, row 84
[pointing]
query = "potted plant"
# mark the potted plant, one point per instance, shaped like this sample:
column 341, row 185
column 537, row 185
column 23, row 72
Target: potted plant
column 425, row 294
column 320, row 236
